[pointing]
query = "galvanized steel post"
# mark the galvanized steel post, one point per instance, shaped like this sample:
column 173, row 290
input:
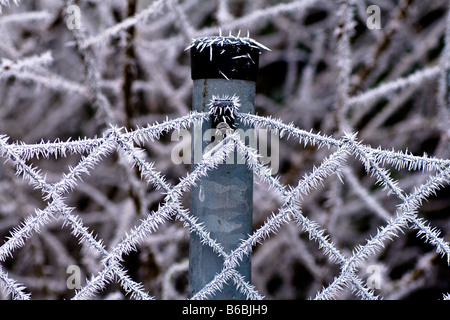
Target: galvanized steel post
column 222, row 201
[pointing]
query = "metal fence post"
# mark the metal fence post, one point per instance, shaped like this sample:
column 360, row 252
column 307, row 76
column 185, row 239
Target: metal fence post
column 223, row 201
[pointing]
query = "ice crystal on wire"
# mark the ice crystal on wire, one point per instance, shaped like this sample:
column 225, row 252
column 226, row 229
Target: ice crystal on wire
column 224, row 109
column 7, row 3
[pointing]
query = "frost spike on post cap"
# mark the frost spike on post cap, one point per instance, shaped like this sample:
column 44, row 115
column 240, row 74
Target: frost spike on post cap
column 228, row 58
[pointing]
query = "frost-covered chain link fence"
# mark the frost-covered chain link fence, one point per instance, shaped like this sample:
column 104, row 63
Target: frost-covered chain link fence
column 290, row 212
column 107, row 216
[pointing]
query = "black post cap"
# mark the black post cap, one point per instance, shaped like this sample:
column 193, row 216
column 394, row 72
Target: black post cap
column 225, row 58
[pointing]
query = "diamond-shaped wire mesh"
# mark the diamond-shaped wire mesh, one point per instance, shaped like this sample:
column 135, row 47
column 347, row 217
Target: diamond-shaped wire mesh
column 289, row 212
